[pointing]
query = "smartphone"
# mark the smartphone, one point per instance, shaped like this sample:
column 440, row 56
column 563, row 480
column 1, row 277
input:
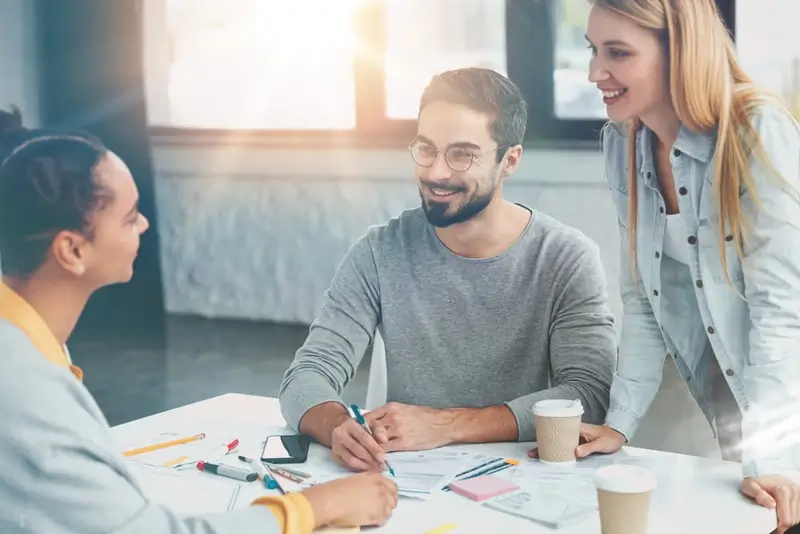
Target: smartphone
column 289, row 449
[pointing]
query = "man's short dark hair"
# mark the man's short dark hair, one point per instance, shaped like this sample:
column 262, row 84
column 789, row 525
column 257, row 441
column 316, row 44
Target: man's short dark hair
column 485, row 91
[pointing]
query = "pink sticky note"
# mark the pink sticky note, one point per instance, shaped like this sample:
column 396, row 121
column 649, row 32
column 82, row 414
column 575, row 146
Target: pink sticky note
column 482, row 488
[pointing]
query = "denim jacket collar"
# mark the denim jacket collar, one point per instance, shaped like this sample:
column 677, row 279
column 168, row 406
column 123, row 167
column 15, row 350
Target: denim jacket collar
column 699, row 145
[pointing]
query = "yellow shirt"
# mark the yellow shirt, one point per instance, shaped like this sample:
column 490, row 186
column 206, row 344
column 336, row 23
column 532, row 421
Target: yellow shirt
column 17, row 311
column 293, row 511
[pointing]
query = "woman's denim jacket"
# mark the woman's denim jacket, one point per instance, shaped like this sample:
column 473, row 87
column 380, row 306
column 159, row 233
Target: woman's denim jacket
column 753, row 325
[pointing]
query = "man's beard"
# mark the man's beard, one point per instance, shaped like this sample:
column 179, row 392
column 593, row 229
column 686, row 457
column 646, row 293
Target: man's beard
column 438, row 215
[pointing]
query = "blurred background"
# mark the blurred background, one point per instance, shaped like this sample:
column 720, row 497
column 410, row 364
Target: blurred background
column 266, row 136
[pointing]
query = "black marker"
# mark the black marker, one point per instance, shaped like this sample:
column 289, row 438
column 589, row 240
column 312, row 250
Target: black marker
column 228, row 471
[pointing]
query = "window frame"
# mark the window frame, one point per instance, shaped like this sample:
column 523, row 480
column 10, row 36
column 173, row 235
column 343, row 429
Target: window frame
column 374, row 130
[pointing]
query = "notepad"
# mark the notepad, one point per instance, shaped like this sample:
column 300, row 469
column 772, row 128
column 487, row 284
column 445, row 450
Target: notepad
column 482, row 488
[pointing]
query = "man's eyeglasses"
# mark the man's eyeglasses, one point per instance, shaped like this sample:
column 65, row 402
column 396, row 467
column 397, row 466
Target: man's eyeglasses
column 458, row 158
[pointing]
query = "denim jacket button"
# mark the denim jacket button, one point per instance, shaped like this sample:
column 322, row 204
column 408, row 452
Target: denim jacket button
column 710, row 329
column 728, row 238
column 729, row 372
column 683, row 190
column 677, row 153
column 699, row 283
column 692, row 240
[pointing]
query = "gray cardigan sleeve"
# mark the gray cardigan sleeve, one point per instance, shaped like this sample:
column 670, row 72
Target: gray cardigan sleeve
column 61, row 472
column 337, row 339
column 582, row 343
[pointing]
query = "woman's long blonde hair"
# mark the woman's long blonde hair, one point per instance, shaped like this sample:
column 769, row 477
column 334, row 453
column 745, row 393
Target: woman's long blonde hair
column 708, row 88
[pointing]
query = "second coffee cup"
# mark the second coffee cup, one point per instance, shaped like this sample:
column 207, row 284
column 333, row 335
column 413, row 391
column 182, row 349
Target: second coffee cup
column 623, row 496
column 558, row 424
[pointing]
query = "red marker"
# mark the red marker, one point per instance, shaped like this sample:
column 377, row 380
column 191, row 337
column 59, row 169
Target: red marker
column 224, row 449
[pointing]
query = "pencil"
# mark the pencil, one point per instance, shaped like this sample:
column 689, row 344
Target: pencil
column 163, row 445
column 295, row 472
column 286, row 474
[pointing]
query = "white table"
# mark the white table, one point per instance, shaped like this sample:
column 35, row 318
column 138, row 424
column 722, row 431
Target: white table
column 695, row 495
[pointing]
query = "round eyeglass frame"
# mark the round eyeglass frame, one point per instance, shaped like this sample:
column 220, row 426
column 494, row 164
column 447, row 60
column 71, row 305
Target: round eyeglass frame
column 447, row 159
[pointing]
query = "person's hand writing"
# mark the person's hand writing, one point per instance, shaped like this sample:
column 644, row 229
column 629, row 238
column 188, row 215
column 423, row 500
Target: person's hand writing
column 354, row 448
column 594, row 439
column 366, row 499
column 778, row 492
column 411, row 428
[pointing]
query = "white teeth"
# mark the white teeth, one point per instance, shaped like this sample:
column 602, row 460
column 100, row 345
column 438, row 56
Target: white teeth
column 613, row 94
column 442, row 192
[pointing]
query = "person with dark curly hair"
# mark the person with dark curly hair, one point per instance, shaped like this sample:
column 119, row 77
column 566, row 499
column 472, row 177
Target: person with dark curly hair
column 69, row 225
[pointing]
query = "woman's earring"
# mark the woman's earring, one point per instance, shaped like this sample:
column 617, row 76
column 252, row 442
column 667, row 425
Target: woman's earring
column 81, row 268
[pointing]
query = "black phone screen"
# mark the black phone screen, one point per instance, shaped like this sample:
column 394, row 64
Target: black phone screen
column 291, row 449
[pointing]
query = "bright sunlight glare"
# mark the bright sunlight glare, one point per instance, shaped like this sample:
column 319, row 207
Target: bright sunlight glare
column 249, row 65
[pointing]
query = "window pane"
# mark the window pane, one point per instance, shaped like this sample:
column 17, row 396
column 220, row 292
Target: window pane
column 575, row 96
column 760, row 26
column 261, row 64
column 425, row 37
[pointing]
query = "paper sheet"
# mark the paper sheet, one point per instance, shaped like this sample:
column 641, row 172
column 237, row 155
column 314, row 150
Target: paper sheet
column 570, row 485
column 543, row 507
column 183, row 456
column 418, row 474
column 557, row 495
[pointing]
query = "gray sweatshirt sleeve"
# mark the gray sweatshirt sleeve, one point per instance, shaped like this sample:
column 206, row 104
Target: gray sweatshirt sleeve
column 338, row 337
column 582, row 342
column 62, row 474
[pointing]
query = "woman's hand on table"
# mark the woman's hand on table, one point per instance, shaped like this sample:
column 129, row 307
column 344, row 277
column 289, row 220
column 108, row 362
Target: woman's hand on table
column 778, row 492
column 594, row 439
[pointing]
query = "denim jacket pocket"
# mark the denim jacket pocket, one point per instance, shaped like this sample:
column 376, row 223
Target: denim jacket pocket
column 714, row 258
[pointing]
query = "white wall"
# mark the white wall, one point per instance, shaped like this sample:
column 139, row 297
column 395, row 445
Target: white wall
column 18, row 59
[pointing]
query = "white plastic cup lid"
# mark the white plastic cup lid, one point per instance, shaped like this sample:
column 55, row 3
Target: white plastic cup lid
column 558, row 408
column 625, row 479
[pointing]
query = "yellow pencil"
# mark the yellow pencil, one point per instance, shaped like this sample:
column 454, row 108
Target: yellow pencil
column 163, row 445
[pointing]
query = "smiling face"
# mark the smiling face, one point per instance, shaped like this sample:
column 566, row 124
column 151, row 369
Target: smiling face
column 456, row 163
column 628, row 65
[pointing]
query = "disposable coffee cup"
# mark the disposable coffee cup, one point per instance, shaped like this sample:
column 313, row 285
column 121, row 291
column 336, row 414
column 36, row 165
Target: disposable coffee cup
column 623, row 498
column 558, row 424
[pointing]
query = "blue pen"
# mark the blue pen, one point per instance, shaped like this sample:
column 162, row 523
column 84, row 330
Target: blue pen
column 361, row 421
column 488, row 471
column 276, row 483
column 482, row 465
column 262, row 472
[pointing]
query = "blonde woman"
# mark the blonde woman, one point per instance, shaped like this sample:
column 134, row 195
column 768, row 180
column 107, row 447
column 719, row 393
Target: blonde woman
column 703, row 169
